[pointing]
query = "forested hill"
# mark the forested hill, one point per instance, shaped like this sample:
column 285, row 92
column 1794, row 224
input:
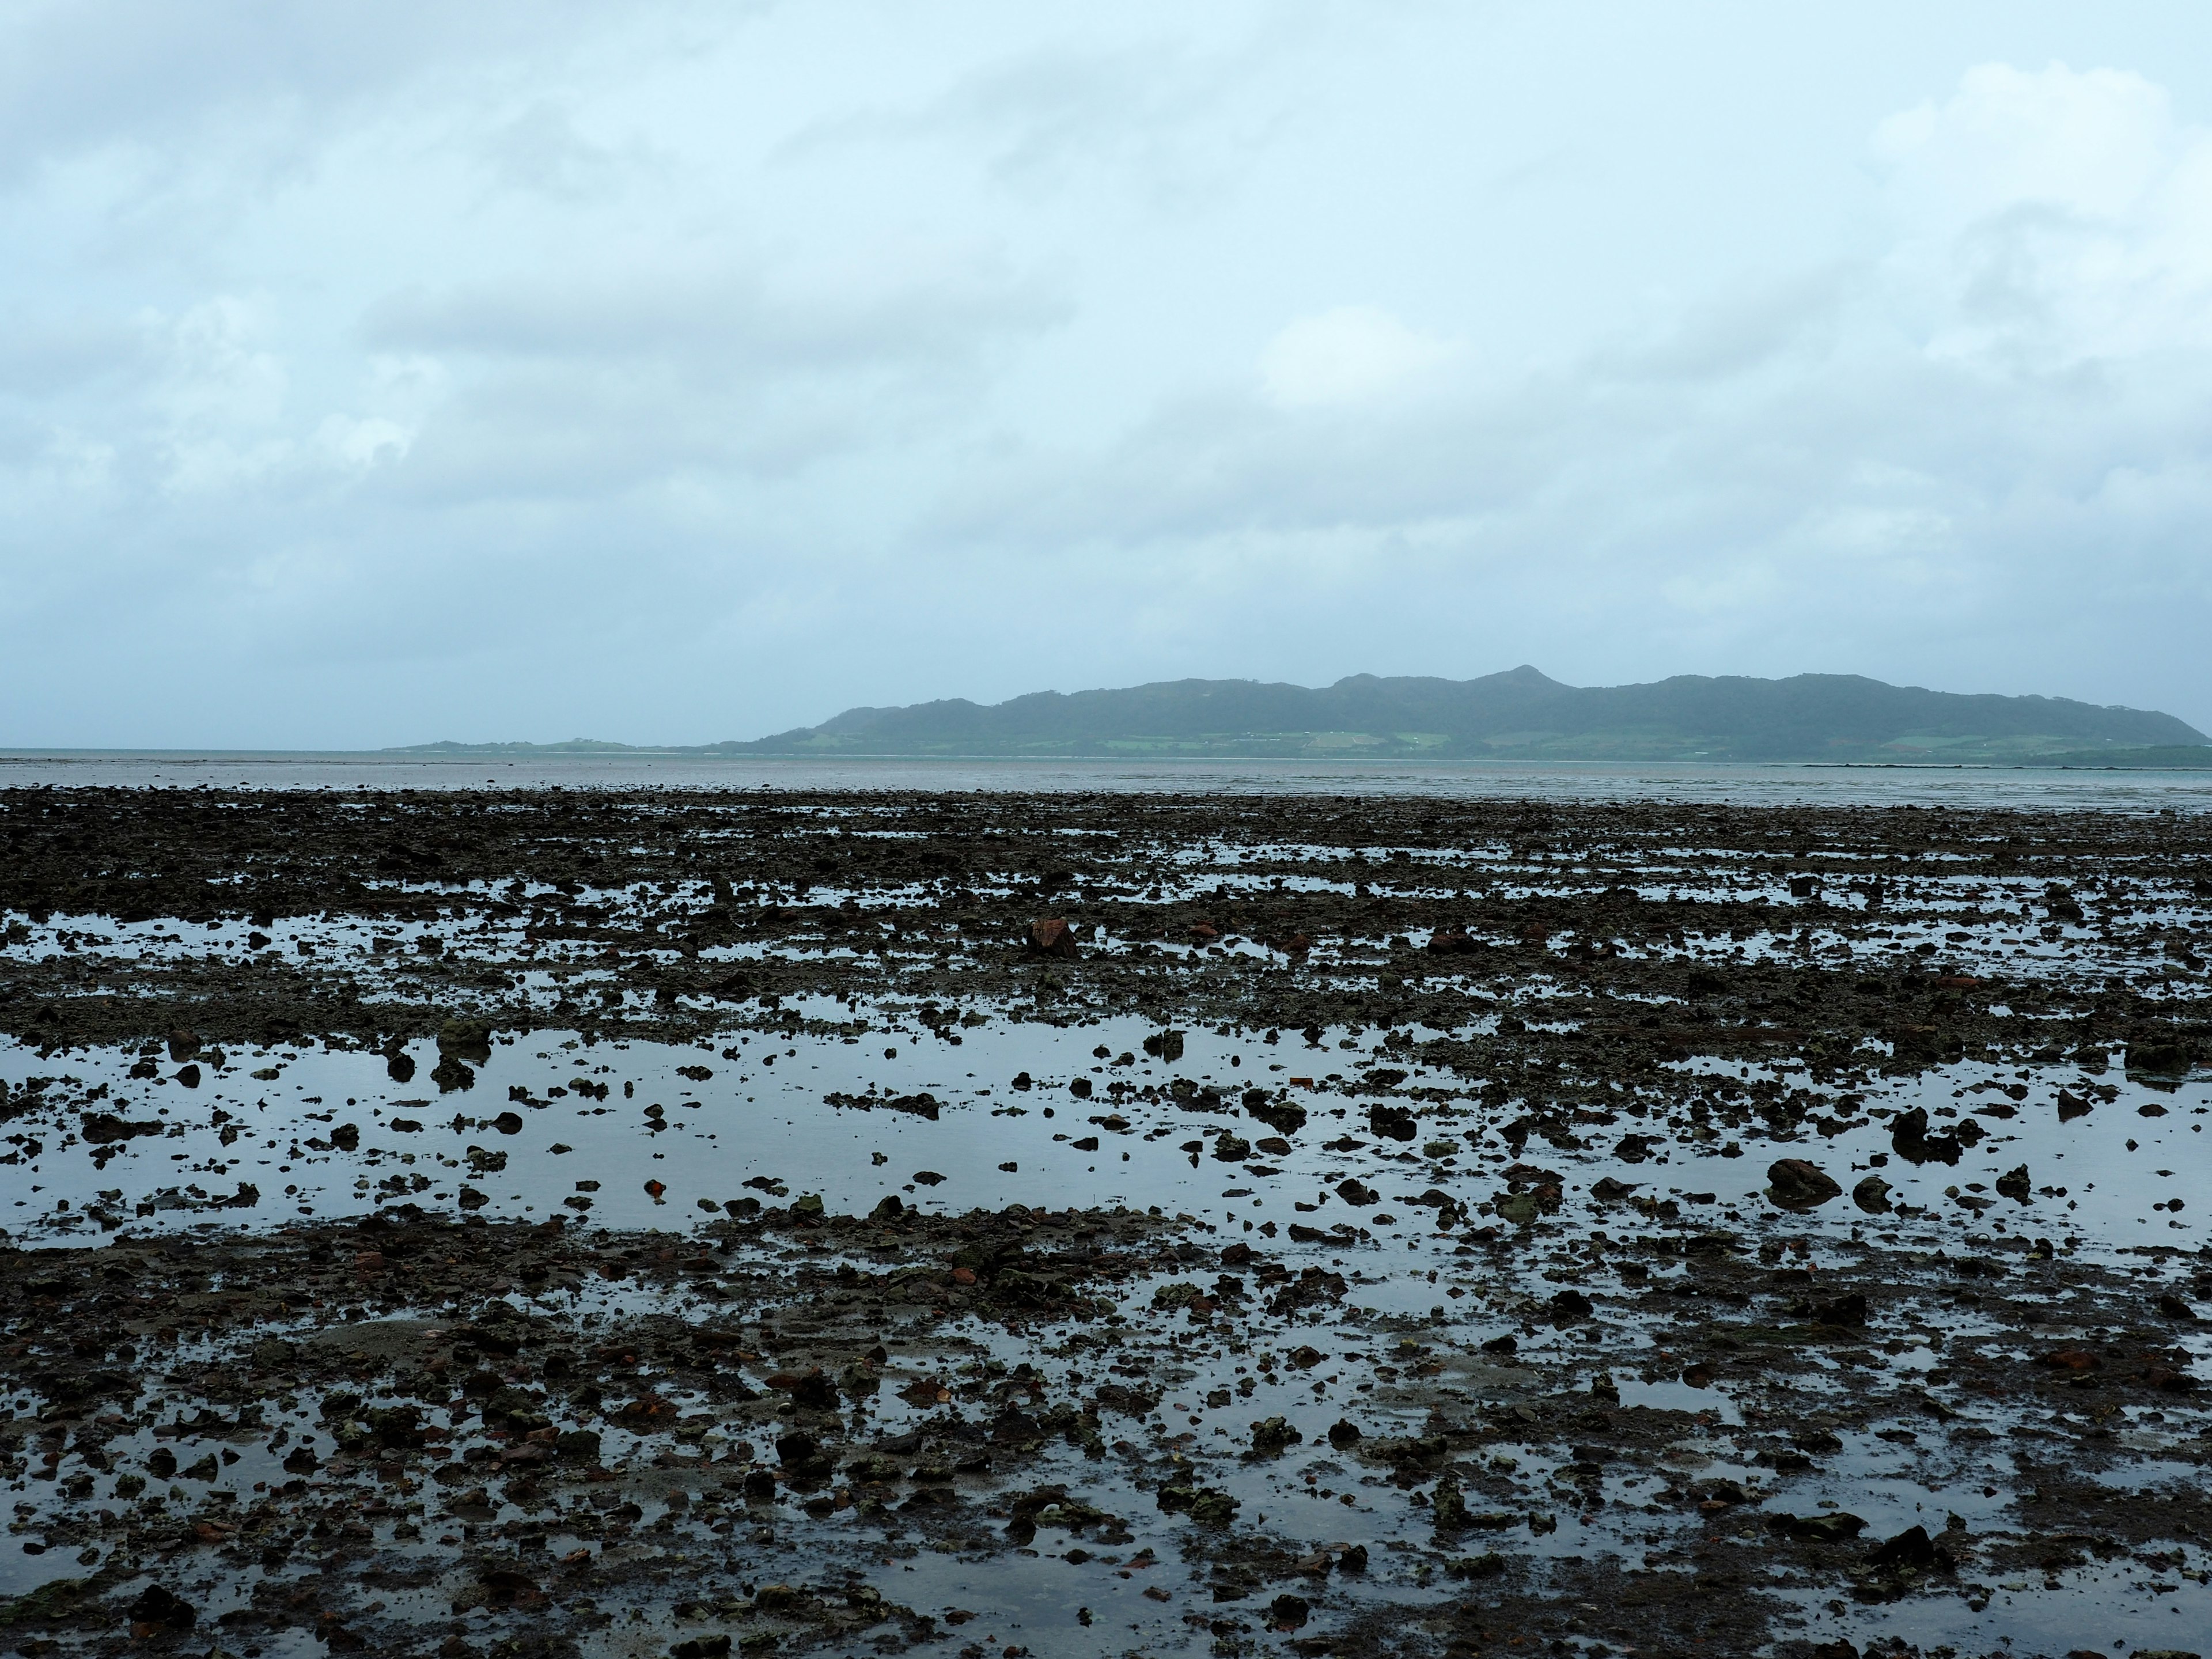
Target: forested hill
column 1521, row 713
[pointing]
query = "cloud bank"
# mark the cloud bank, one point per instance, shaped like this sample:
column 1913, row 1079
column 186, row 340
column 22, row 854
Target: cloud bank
column 375, row 375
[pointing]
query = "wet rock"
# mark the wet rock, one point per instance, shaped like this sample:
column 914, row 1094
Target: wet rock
column 104, row 1128
column 1391, row 1122
column 2160, row 1053
column 1272, row 1436
column 2076, row 1360
column 159, row 1609
column 1343, row 1434
column 1052, row 937
column 452, row 1077
column 2013, row 1184
column 1910, row 1140
column 1837, row 1527
column 1204, row 1505
column 1841, row 1310
column 1796, row 1184
column 1911, row 1548
column 1015, row 1428
column 183, row 1046
column 1447, row 1508
column 465, row 1040
column 1283, row 1117
column 1872, row 1196
column 1230, row 1148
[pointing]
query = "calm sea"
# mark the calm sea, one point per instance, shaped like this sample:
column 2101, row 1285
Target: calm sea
column 2030, row 789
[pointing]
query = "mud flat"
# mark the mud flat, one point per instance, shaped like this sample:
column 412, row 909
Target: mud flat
column 648, row 1222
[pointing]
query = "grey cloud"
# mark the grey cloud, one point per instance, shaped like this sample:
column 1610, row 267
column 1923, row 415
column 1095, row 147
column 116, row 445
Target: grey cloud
column 1039, row 116
column 569, row 391
column 541, row 149
column 476, row 366
column 77, row 74
column 45, row 358
column 720, row 320
column 1716, row 338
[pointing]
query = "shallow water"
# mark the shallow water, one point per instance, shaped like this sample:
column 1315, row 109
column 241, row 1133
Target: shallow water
column 2029, row 788
column 2132, row 1166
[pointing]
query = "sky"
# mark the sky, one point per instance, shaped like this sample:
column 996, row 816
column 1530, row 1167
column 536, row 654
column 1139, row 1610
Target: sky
column 372, row 374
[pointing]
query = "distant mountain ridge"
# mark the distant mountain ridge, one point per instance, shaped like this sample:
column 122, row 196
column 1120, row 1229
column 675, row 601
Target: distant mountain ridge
column 1518, row 715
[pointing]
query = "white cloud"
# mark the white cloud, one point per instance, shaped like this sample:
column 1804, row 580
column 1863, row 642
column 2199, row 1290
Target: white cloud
column 2052, row 217
column 364, row 442
column 1349, row 355
column 2093, row 143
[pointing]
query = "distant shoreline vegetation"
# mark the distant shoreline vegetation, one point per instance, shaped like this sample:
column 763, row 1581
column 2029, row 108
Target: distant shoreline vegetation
column 1520, row 715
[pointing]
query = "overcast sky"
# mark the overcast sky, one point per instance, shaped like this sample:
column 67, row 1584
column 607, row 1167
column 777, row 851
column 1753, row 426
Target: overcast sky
column 374, row 373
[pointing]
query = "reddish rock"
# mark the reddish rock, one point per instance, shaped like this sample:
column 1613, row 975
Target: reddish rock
column 1053, row 937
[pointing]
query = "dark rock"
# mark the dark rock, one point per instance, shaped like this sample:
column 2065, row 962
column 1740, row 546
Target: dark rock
column 1390, row 1122
column 1911, row 1548
column 159, row 1606
column 1796, row 1184
column 1909, row 1137
column 1285, row 1117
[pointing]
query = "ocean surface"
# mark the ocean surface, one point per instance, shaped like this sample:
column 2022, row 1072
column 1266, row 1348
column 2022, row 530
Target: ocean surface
column 2030, row 789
